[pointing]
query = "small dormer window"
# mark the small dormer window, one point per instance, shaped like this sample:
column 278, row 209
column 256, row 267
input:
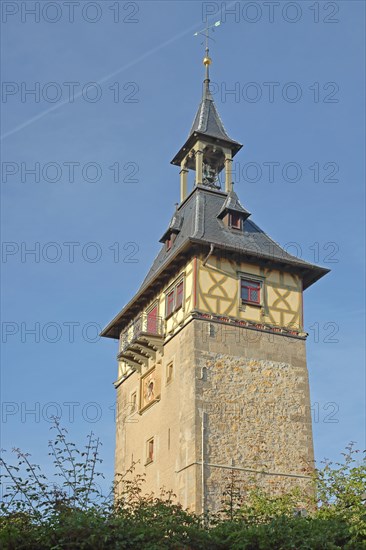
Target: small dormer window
column 232, row 213
column 235, row 220
column 170, row 240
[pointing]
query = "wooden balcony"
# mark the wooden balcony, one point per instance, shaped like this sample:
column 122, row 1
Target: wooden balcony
column 141, row 340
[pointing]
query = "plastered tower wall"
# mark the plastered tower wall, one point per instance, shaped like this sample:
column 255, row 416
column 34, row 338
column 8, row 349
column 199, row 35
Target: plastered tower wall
column 171, row 421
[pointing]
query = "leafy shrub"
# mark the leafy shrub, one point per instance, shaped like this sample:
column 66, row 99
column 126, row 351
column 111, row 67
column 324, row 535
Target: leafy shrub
column 36, row 514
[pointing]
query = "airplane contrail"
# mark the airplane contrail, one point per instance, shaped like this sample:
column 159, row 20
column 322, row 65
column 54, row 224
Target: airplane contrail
column 101, row 81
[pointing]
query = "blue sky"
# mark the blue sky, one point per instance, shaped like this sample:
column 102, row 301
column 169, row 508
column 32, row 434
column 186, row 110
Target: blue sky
column 309, row 52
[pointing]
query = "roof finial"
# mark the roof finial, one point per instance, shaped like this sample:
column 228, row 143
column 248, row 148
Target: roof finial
column 207, row 60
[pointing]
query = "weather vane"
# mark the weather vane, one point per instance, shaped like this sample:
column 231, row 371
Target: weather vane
column 206, row 33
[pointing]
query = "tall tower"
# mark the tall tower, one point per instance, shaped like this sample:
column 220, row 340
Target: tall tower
column 212, row 373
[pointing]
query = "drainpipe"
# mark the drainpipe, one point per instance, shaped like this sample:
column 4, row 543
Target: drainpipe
column 212, row 246
column 203, row 464
column 195, row 282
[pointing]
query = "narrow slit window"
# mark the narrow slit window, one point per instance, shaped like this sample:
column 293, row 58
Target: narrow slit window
column 133, row 402
column 150, row 451
column 169, row 372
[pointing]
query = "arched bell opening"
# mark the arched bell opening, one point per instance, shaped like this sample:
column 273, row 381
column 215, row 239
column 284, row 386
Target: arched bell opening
column 213, row 163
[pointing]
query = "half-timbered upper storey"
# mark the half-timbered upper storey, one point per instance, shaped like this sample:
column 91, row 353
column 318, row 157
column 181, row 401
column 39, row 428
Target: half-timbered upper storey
column 215, row 267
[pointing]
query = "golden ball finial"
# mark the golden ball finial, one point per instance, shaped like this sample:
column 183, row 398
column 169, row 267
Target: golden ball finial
column 207, row 61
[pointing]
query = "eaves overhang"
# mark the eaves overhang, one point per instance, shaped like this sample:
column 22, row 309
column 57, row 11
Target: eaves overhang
column 113, row 328
column 310, row 273
column 196, row 136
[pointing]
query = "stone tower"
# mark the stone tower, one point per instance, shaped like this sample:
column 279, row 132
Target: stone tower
column 212, row 374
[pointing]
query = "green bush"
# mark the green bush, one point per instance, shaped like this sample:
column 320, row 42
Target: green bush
column 36, row 514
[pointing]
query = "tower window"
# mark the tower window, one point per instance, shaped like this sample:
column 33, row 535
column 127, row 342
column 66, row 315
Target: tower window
column 169, row 372
column 133, row 402
column 250, row 291
column 174, row 299
column 235, row 220
column 170, row 303
column 179, row 299
column 150, row 451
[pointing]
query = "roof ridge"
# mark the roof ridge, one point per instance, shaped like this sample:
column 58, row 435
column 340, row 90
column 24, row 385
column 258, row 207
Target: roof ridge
column 199, row 226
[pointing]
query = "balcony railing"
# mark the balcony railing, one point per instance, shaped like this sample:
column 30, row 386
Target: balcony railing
column 144, row 328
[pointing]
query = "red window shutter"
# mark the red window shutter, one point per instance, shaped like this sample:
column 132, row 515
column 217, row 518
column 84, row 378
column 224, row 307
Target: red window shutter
column 170, row 303
column 152, row 320
column 179, row 299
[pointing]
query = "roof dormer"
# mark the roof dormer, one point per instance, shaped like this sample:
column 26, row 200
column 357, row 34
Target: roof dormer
column 232, row 213
column 174, row 228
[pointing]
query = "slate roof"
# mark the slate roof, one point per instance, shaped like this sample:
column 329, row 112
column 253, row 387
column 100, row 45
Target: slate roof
column 200, row 224
column 207, row 120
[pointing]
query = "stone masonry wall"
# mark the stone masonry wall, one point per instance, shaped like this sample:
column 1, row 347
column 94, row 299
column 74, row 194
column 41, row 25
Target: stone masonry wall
column 257, row 412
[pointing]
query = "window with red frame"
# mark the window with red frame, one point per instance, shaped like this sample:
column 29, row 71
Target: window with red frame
column 235, row 220
column 170, row 303
column 250, row 291
column 179, row 292
column 174, row 299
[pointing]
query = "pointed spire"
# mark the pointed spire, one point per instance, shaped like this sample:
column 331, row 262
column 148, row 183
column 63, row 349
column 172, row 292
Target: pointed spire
column 207, row 120
column 207, row 124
